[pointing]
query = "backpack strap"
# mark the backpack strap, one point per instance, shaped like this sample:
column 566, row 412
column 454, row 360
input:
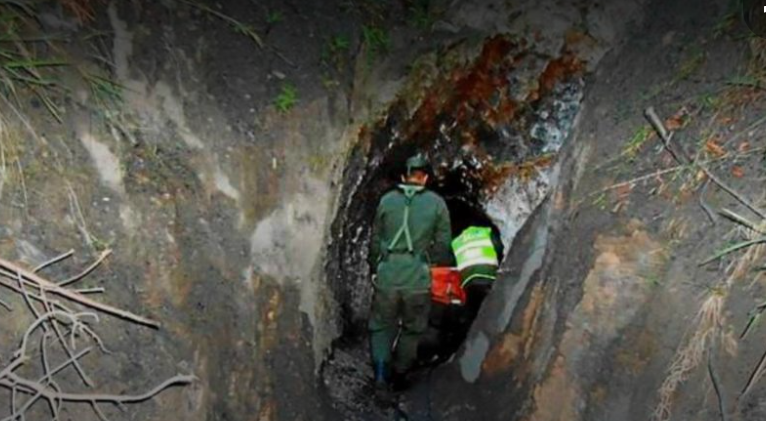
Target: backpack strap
column 404, row 230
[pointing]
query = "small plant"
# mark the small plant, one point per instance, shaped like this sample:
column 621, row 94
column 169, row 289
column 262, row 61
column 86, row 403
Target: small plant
column 335, row 50
column 376, row 40
column 710, row 101
column 653, row 280
column 21, row 68
column 749, row 81
column 655, row 90
column 339, row 43
column 420, row 14
column 726, row 24
column 636, row 142
column 104, row 90
column 235, row 24
column 600, row 201
column 287, row 98
column 691, row 64
column 273, row 17
column 329, row 82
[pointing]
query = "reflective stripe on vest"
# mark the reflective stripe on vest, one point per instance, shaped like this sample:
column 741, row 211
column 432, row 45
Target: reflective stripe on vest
column 474, row 247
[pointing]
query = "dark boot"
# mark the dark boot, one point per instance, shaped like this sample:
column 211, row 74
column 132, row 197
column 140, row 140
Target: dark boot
column 382, row 385
column 400, row 382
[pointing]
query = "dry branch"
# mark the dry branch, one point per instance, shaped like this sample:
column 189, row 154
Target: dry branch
column 53, row 261
column 734, row 217
column 669, row 170
column 755, row 375
column 717, row 387
column 88, row 270
column 29, row 386
column 57, row 329
column 684, row 159
column 73, row 296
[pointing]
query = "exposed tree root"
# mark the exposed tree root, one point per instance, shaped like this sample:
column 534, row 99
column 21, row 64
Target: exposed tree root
column 55, row 332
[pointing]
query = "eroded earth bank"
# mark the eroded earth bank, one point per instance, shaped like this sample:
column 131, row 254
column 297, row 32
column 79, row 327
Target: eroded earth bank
column 230, row 155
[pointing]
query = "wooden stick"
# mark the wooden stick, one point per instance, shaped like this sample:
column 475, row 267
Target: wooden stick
column 60, row 336
column 703, row 204
column 78, row 298
column 755, row 375
column 14, row 288
column 716, row 386
column 666, row 171
column 659, row 127
column 47, row 378
column 90, row 291
column 741, row 220
column 31, row 387
column 53, row 261
column 88, row 270
column 640, row 179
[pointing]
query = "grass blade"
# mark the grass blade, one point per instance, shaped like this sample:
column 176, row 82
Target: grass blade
column 755, row 375
column 755, row 317
column 739, row 219
column 732, row 249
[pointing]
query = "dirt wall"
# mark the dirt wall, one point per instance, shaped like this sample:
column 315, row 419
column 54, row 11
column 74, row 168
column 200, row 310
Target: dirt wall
column 216, row 173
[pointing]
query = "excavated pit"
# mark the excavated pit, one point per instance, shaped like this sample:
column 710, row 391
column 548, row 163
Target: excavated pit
column 492, row 129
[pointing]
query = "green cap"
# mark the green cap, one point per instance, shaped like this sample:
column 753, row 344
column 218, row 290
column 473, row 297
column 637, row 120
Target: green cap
column 417, row 162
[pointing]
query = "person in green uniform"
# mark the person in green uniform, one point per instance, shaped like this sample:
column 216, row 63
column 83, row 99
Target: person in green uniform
column 477, row 260
column 411, row 230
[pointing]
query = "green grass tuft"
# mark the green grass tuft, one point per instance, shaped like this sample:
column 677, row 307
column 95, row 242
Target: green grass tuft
column 273, row 17
column 236, row 25
column 636, row 142
column 287, row 98
column 420, row 14
column 377, row 42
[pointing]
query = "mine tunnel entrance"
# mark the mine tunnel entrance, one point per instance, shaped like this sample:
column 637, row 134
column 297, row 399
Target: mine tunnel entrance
column 491, row 129
column 347, row 374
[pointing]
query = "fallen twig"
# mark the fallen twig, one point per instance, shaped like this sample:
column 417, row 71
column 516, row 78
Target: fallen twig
column 30, row 387
column 755, row 375
column 73, row 296
column 746, row 130
column 88, row 270
column 734, row 217
column 17, row 413
column 669, row 170
column 98, row 290
column 53, row 261
column 716, row 386
column 640, row 179
column 703, row 204
column 666, row 137
column 755, row 316
column 57, row 326
column 741, row 198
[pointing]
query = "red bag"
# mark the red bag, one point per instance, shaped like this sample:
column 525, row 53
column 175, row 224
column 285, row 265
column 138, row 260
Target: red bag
column 445, row 286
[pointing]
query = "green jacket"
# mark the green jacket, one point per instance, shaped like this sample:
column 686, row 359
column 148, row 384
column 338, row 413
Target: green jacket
column 429, row 236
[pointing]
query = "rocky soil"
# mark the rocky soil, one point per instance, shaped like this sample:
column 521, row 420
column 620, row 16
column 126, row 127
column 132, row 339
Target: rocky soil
column 231, row 153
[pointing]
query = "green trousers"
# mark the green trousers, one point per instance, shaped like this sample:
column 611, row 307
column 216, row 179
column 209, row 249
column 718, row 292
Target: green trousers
column 390, row 307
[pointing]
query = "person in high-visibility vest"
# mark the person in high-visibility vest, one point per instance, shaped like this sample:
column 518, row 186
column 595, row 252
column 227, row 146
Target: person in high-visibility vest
column 477, row 260
column 411, row 230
